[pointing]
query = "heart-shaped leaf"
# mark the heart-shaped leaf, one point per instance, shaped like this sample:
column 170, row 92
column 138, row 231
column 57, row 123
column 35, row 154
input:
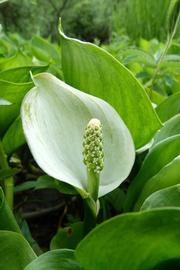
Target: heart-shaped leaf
column 143, row 240
column 54, row 117
column 166, row 197
column 96, row 72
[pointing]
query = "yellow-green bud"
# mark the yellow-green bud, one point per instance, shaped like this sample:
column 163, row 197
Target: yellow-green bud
column 93, row 146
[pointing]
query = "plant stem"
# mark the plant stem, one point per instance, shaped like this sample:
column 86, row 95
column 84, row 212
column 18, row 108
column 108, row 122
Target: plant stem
column 93, row 184
column 90, row 206
column 9, row 182
column 89, row 215
column 167, row 46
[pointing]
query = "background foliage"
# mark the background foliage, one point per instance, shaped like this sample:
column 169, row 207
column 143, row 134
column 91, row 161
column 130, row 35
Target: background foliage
column 143, row 38
column 90, row 19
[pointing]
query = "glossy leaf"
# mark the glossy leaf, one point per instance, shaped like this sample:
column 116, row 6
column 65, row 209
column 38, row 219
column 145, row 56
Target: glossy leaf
column 96, row 72
column 54, row 117
column 166, row 197
column 55, row 260
column 135, row 241
column 158, row 157
column 15, row 252
column 167, row 176
column 171, row 128
column 169, row 107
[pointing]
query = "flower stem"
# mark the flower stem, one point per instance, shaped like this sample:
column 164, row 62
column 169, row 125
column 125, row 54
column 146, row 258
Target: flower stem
column 9, row 182
column 90, row 214
column 93, row 184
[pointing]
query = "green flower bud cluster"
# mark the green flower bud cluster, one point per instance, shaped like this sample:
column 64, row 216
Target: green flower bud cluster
column 93, row 146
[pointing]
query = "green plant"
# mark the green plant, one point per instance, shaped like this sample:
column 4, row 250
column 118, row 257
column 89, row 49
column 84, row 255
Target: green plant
column 100, row 113
column 146, row 19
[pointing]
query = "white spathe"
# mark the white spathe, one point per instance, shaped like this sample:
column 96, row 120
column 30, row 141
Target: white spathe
column 54, row 116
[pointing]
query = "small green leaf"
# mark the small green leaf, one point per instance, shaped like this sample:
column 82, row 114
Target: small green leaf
column 96, row 72
column 169, row 107
column 25, row 186
column 54, row 117
column 55, row 260
column 15, row 252
column 166, row 197
column 46, row 181
column 171, row 128
column 135, row 241
column 68, row 237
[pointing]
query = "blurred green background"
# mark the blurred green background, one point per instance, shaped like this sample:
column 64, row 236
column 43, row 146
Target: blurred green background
column 90, row 19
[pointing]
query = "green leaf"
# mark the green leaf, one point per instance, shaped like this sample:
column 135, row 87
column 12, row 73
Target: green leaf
column 169, row 175
column 15, row 252
column 18, row 60
column 68, row 237
column 96, row 72
column 14, row 137
column 6, row 173
column 44, row 50
column 7, row 219
column 135, row 241
column 46, row 181
column 25, row 186
column 54, row 117
column 116, row 198
column 169, row 107
column 138, row 56
column 55, row 260
column 154, row 96
column 171, row 128
column 14, row 93
column 21, row 74
column 166, row 197
column 158, row 157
